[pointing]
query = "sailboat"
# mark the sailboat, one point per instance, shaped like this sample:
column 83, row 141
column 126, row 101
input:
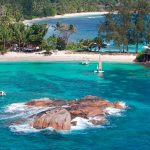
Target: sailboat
column 99, row 66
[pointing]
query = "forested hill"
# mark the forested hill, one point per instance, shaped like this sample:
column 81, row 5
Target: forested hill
column 40, row 8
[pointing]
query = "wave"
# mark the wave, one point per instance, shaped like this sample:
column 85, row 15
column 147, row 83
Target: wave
column 26, row 128
column 114, row 111
column 20, row 110
column 91, row 17
column 123, row 104
column 16, row 107
column 81, row 123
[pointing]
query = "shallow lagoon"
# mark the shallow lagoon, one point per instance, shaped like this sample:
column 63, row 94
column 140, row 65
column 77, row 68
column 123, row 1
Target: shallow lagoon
column 67, row 80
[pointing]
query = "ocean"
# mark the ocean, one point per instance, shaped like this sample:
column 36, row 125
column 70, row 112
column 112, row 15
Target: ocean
column 127, row 82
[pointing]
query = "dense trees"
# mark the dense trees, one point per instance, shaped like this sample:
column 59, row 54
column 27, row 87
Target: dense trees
column 22, row 35
column 12, row 32
column 18, row 36
column 141, row 21
column 64, row 32
column 60, row 39
column 129, row 25
column 37, row 8
column 144, row 56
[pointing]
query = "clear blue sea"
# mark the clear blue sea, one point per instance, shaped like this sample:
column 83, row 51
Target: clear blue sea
column 87, row 28
column 127, row 82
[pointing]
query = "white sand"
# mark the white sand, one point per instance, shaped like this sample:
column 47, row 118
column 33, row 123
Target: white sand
column 66, row 16
column 66, row 56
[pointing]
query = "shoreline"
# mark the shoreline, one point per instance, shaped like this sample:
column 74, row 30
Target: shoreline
column 66, row 16
column 66, row 56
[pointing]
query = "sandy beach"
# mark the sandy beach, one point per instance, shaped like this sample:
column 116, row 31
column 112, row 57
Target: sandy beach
column 66, row 56
column 66, row 16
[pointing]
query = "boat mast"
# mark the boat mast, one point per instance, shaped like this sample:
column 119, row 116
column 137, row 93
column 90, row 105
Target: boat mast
column 99, row 63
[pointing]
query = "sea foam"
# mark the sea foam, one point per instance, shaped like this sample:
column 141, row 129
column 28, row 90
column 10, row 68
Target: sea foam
column 114, row 111
column 26, row 128
column 81, row 123
column 20, row 110
column 16, row 107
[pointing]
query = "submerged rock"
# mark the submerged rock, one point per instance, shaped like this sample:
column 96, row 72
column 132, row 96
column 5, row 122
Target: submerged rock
column 58, row 118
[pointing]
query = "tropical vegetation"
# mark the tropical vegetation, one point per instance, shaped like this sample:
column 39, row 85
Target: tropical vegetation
column 129, row 24
column 144, row 56
column 37, row 8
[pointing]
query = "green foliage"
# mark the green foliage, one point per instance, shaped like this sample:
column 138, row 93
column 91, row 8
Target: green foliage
column 143, row 56
column 85, row 42
column 98, row 40
column 2, row 50
column 73, row 46
column 52, row 42
column 39, row 8
column 129, row 25
column 44, row 45
column 12, row 32
column 65, row 31
column 36, row 34
column 61, row 44
column 49, row 44
column 140, row 57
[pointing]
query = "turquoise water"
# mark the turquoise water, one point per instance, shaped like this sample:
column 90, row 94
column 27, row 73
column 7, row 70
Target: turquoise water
column 121, row 81
column 87, row 28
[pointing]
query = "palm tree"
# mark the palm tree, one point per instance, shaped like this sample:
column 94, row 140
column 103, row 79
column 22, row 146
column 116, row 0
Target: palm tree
column 65, row 31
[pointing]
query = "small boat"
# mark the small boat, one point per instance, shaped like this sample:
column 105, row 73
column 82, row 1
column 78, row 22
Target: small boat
column 99, row 66
column 85, row 62
column 2, row 93
column 98, row 71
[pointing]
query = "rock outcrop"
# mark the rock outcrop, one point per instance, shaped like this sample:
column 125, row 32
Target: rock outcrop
column 60, row 114
column 86, row 112
column 46, row 102
column 43, row 102
column 57, row 118
column 98, row 120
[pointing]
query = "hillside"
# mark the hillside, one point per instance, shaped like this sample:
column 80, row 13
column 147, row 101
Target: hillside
column 36, row 8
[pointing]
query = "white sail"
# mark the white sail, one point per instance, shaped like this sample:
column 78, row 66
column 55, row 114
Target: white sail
column 99, row 63
column 99, row 66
